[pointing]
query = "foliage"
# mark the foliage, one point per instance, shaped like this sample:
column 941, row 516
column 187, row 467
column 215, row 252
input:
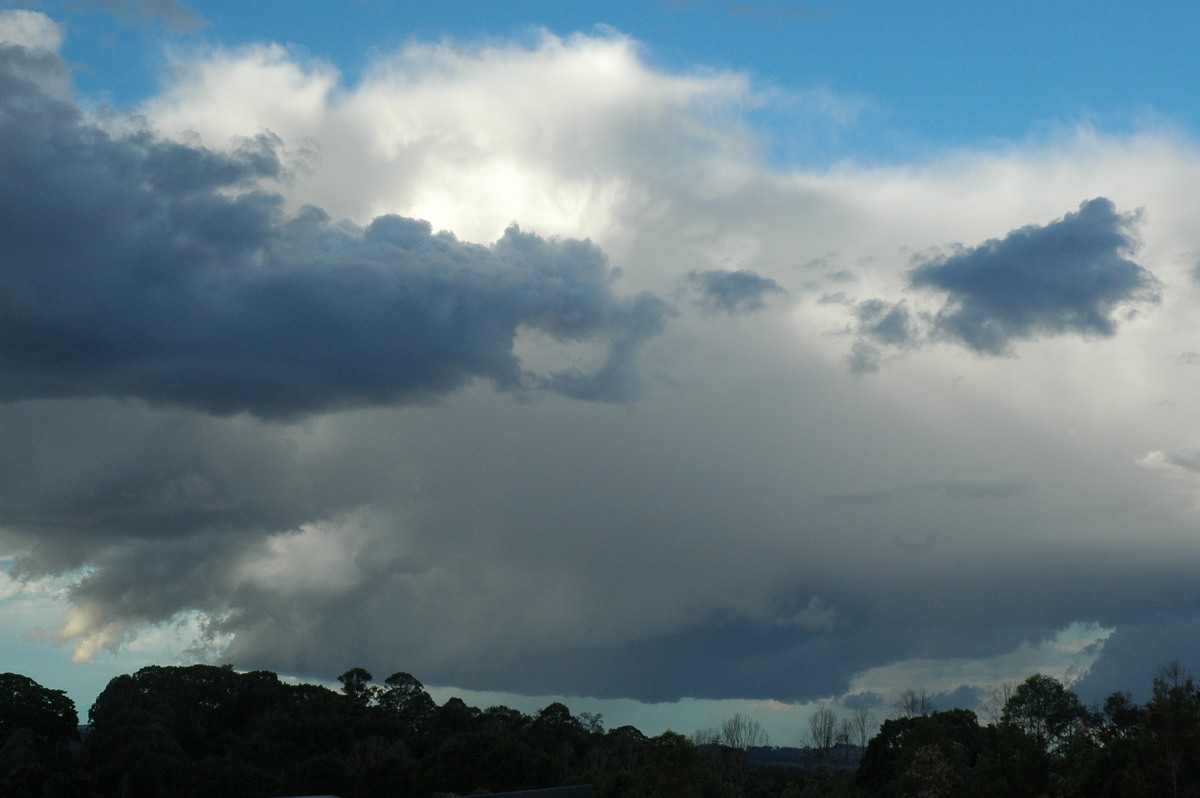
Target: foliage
column 47, row 715
column 203, row 730
column 1044, row 709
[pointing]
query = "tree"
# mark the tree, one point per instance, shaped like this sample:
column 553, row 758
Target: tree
column 625, row 744
column 862, row 723
column 48, row 714
column 356, row 685
column 742, row 732
column 913, row 703
column 935, row 754
column 1171, row 728
column 931, row 774
column 36, row 724
column 993, row 707
column 672, row 767
column 452, row 718
column 822, row 730
column 503, row 721
column 1122, row 717
column 405, row 701
column 1044, row 709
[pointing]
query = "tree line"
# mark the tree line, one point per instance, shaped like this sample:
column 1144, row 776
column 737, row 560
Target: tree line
column 205, row 730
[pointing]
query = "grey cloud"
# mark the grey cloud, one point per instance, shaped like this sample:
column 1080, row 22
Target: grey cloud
column 1069, row 276
column 964, row 697
column 1133, row 653
column 962, row 488
column 877, row 323
column 1188, row 462
column 732, row 292
column 885, row 322
column 173, row 14
column 549, row 547
column 141, row 268
column 864, row 358
column 867, row 700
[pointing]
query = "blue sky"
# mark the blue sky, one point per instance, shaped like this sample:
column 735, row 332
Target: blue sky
column 675, row 360
column 926, row 75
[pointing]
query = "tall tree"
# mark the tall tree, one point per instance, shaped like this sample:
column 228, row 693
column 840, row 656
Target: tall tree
column 913, row 703
column 405, row 701
column 822, row 730
column 25, row 704
column 1043, row 708
column 1171, row 731
column 356, row 685
column 742, row 732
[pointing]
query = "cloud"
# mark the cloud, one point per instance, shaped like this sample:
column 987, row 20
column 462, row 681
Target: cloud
column 173, row 14
column 885, row 323
column 467, row 136
column 30, row 29
column 300, row 425
column 731, row 292
column 1069, row 276
column 137, row 267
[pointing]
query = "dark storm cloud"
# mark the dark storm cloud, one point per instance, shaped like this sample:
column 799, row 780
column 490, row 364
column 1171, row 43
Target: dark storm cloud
column 964, row 697
column 1132, row 655
column 135, row 267
column 1069, row 276
column 970, row 615
column 731, row 292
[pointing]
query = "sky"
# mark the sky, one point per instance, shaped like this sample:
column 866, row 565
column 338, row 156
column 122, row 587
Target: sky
column 672, row 360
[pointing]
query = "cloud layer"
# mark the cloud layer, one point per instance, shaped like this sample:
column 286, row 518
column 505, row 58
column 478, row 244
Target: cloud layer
column 224, row 329
column 137, row 267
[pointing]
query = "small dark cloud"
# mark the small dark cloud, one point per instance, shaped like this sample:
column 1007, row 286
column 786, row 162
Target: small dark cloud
column 1069, row 276
column 1189, row 358
column 140, row 268
column 867, row 699
column 964, row 697
column 732, row 292
column 885, row 322
column 864, row 358
column 172, row 14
